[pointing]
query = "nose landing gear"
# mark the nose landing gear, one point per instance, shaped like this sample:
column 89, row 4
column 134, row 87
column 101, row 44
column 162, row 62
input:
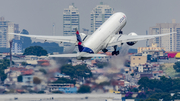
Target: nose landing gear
column 105, row 50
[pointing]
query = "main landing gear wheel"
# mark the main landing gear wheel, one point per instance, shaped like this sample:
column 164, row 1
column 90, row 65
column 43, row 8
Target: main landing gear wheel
column 115, row 52
column 120, row 32
column 104, row 50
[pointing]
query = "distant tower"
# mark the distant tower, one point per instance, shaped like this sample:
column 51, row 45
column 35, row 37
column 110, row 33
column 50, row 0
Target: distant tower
column 70, row 22
column 53, row 29
column 99, row 15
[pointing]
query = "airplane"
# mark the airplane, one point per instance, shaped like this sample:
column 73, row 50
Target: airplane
column 108, row 34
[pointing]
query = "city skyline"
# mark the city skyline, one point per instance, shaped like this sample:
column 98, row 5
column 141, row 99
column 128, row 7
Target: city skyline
column 38, row 16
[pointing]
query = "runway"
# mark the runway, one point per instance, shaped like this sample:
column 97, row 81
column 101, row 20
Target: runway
column 60, row 97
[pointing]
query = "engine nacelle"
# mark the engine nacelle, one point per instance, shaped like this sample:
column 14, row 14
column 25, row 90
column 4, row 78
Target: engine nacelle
column 133, row 42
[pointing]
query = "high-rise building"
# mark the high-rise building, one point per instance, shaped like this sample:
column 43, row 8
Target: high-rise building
column 6, row 27
column 16, row 30
column 9, row 27
column 169, row 42
column 17, row 43
column 99, row 15
column 16, row 46
column 70, row 22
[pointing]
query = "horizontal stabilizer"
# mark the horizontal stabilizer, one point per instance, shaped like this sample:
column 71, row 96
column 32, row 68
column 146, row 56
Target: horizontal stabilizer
column 76, row 55
column 64, row 55
column 95, row 55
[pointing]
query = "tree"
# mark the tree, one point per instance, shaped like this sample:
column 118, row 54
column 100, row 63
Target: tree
column 164, row 96
column 43, row 71
column 31, row 91
column 35, row 50
column 176, row 96
column 82, row 71
column 64, row 80
column 19, row 78
column 50, row 47
column 4, row 63
column 161, row 67
column 104, row 83
column 36, row 80
column 132, row 74
column 84, row 89
column 57, row 92
column 24, row 63
column 143, row 82
column 176, row 66
column 76, row 71
column 40, row 92
column 151, row 99
column 141, row 95
column 134, row 90
column 68, row 70
column 128, row 95
column 160, row 89
column 101, row 64
column 163, row 85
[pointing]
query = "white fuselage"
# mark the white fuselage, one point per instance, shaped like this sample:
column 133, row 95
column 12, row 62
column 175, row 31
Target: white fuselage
column 104, row 34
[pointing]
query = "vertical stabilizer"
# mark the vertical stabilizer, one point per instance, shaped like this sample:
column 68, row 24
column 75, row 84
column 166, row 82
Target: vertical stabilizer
column 80, row 47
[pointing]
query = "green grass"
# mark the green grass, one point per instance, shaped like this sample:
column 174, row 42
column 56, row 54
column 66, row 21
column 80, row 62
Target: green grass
column 169, row 70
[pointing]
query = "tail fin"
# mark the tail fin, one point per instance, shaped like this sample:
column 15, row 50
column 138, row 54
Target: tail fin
column 80, row 47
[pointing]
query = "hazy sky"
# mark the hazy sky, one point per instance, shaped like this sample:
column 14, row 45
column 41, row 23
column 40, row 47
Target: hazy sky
column 38, row 16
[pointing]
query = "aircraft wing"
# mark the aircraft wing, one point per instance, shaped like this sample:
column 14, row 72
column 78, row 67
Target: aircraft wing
column 117, row 39
column 71, row 39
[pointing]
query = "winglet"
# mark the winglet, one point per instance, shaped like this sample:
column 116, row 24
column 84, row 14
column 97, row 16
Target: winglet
column 80, row 47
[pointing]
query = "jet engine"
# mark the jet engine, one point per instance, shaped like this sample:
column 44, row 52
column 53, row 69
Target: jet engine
column 133, row 42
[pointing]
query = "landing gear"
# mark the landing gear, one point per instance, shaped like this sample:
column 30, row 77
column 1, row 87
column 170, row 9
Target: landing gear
column 115, row 52
column 120, row 32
